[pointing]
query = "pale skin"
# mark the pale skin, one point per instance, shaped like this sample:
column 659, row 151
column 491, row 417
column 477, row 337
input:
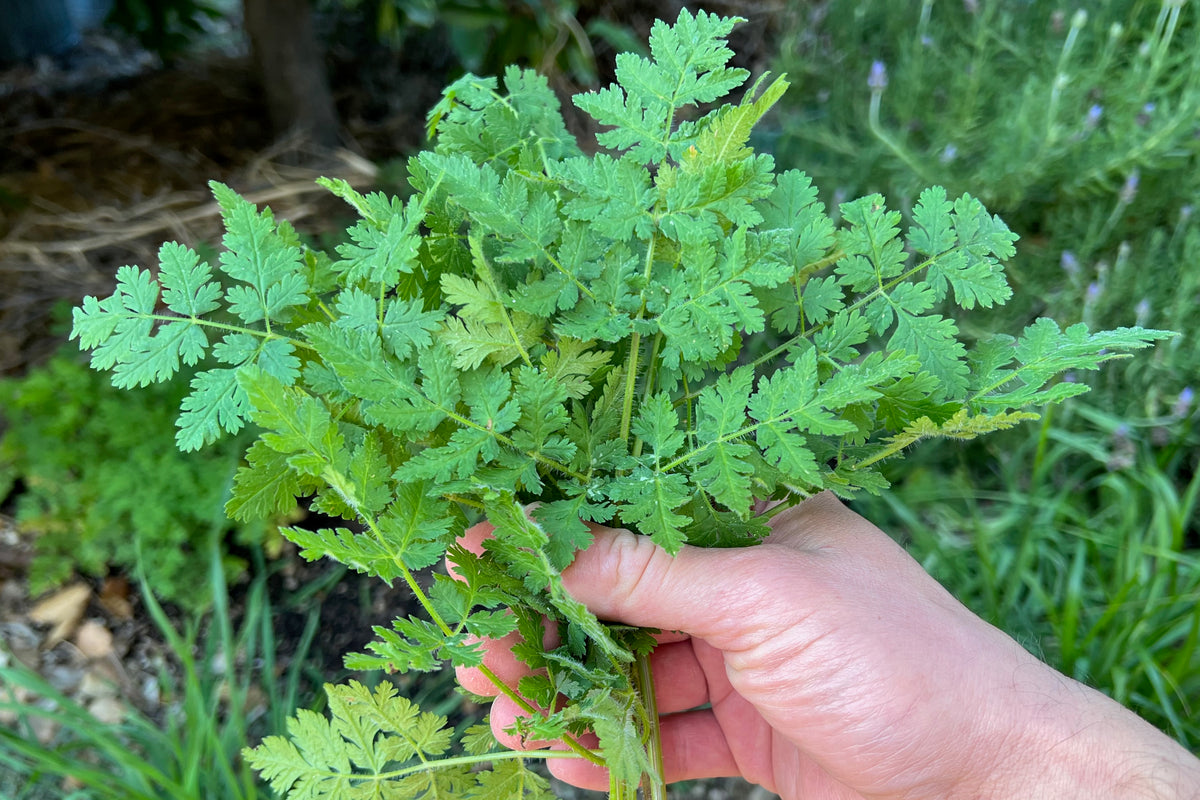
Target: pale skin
column 831, row 667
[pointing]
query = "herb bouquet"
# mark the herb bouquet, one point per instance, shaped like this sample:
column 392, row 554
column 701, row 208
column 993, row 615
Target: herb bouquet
column 652, row 336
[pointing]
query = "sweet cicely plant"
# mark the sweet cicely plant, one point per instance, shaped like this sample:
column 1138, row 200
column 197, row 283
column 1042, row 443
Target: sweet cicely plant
column 653, row 336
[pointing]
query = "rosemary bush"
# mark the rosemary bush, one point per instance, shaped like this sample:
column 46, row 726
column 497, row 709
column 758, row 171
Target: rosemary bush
column 1079, row 125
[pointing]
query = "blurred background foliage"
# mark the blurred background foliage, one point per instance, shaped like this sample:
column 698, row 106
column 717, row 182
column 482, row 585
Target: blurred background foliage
column 1077, row 123
column 95, row 472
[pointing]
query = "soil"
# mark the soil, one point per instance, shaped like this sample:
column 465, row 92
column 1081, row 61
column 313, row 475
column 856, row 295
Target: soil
column 106, row 153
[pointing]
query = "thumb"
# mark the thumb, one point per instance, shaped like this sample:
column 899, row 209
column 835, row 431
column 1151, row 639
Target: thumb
column 623, row 577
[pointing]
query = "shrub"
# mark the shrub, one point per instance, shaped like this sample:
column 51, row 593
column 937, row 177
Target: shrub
column 1080, row 128
column 94, row 474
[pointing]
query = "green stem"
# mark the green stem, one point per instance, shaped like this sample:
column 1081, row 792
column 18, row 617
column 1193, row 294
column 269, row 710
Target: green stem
column 635, row 347
column 425, row 766
column 631, row 366
column 226, row 327
column 877, row 129
column 654, row 786
column 570, row 741
column 648, row 388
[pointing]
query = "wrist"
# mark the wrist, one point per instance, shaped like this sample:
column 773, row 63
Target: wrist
column 1068, row 741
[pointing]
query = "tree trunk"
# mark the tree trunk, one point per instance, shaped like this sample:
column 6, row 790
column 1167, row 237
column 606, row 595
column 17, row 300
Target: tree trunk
column 291, row 67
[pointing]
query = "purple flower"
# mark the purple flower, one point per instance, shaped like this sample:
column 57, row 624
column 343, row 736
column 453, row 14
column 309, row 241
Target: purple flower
column 1093, row 116
column 1130, row 187
column 949, row 153
column 877, row 81
column 1143, row 311
column 1069, row 263
column 1093, row 292
column 1184, row 403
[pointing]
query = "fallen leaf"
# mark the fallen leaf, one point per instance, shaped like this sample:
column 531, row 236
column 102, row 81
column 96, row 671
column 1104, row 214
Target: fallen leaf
column 96, row 684
column 108, row 710
column 114, row 597
column 63, row 610
column 94, row 640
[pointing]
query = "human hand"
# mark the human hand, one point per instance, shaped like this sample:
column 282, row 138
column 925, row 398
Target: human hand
column 832, row 666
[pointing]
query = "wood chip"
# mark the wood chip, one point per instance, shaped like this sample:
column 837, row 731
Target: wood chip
column 63, row 609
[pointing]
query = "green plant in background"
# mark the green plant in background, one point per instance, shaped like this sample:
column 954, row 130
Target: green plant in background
column 1079, row 127
column 654, row 336
column 95, row 474
column 166, row 27
column 223, row 686
column 486, row 35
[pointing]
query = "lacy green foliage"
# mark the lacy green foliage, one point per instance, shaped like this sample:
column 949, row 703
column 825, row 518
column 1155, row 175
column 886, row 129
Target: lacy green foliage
column 651, row 337
column 1078, row 128
column 376, row 744
column 99, row 477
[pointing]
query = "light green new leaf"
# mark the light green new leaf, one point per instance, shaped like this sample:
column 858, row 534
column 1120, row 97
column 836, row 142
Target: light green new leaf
column 188, row 288
column 217, row 404
column 298, row 423
column 723, row 139
column 723, row 470
column 572, row 364
column 1041, row 353
column 648, row 498
column 265, row 486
